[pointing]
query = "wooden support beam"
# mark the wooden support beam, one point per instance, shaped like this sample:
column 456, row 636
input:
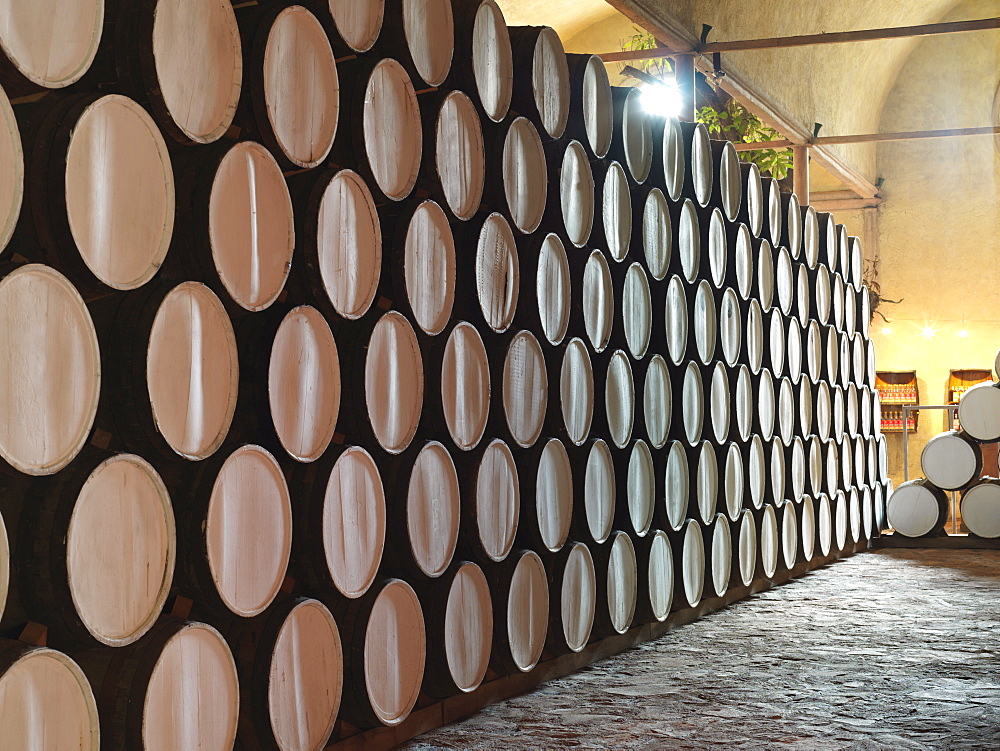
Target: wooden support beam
column 684, row 74
column 800, row 173
column 845, row 204
column 988, row 130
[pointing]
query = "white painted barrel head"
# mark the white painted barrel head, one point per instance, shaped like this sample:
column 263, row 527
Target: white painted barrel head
column 754, row 337
column 550, row 82
column 598, row 110
column 979, row 412
column 12, row 184
column 824, row 524
column 981, row 509
column 525, row 389
column 798, row 469
column 789, row 533
column 756, row 465
column 525, row 178
column 433, row 508
column 689, row 240
column 4, row 566
column 357, row 21
column 722, row 555
column 250, row 226
column 811, row 239
column 692, row 404
column 753, row 197
column 527, row 611
column 733, row 481
column 765, row 283
column 616, row 211
column 305, row 677
column 349, row 244
column 807, row 412
column 673, row 158
column 429, row 267
column 850, row 311
column 393, row 136
column 720, row 403
column 301, row 87
column 854, row 514
column 553, row 288
column 619, row 399
column 657, row 401
column 914, row 509
column 192, row 371
column 700, row 163
column 784, row 280
column 730, row 325
column 599, row 491
column 50, row 388
column 576, row 391
column 497, row 273
column 465, row 386
column 120, row 550
column 786, row 409
column 768, row 537
column 950, row 460
column 878, row 503
column 657, row 231
column 429, row 28
column 459, row 157
column 742, row 261
column 468, row 627
column 814, row 352
column 52, row 43
column 824, row 411
column 395, row 652
column 195, row 669
column 676, row 320
column 793, row 350
column 47, row 702
column 766, row 406
column 621, row 583
column 554, row 495
column 497, row 501
column 745, row 547
column 807, row 528
column 578, row 597
column 841, row 512
column 304, row 384
column 692, row 563
column 598, row 301
column 677, row 485
column 576, row 194
column 859, row 360
column 743, row 403
column 198, row 60
column 776, row 342
column 728, row 180
column 707, row 483
column 354, row 522
column 492, row 60
column 867, row 513
column 637, row 311
column 838, row 302
column 660, row 576
column 119, row 192
column 637, row 136
column 703, row 322
column 772, row 210
column 776, row 468
column 394, row 382
column 717, row 249
column 641, row 488
column 839, row 413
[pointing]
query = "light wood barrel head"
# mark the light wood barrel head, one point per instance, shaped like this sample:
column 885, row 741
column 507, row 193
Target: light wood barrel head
column 660, row 576
column 637, row 134
column 51, row 42
column 838, row 302
column 789, row 533
column 746, row 547
column 717, row 249
column 707, row 482
column 554, row 495
column 576, row 194
column 776, row 486
column 4, row 566
column 429, row 267
column 656, row 234
column 429, row 28
column 354, row 522
column 692, row 563
column 395, row 652
column 766, row 411
column 195, row 670
column 527, row 611
column 743, row 403
column 46, row 702
column 867, row 513
column 641, row 488
column 553, row 288
column 468, row 627
column 802, row 231
column 692, row 404
column 301, row 87
column 248, row 530
column 392, row 132
column 525, row 389
column 433, row 507
column 755, row 336
column 622, row 583
column 756, row 466
column 304, row 384
column 50, row 387
column 497, row 501
column 349, row 244
column 598, row 111
column 460, row 156
column 797, row 469
column 465, row 386
column 765, row 276
column 12, row 182
column 673, row 158
column 599, row 491
column 689, row 241
column 767, row 535
column 616, row 211
column 598, row 300
column 250, row 226
column 719, row 403
column 199, row 65
column 824, row 524
column 576, row 391
column 394, row 382
column 676, row 320
column 733, row 482
column 786, row 411
column 807, row 528
column 730, row 326
column 192, row 371
column 743, row 262
column 120, row 550
column 578, row 597
column 832, row 468
column 722, row 555
column 619, row 399
column 840, row 520
column 637, row 311
column 979, row 412
column 677, row 486
column 550, row 82
column 981, row 510
column 657, row 401
column 305, row 677
column 854, row 514
column 358, row 21
column 525, row 179
column 699, row 163
column 119, row 192
column 492, row 60
column 497, row 273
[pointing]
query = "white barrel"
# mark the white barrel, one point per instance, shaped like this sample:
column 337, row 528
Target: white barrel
column 765, row 281
column 768, row 536
column 979, row 412
column 525, row 176
column 599, row 491
column 773, row 225
column 465, row 386
column 727, row 187
column 719, row 403
column 814, row 351
column 576, row 391
column 637, row 311
column 789, row 524
column 657, row 401
column 677, row 484
column 951, row 460
column 796, row 470
column 459, row 156
column 621, row 583
column 981, row 509
column 698, row 155
column 806, row 410
column 598, row 300
column 854, row 514
column 706, row 490
column 754, row 337
column 657, row 234
column 525, row 389
column 619, row 399
column 824, row 524
column 576, row 194
column 841, row 520
column 591, row 109
column 756, row 471
column 492, row 58
column 716, row 250
column 765, row 416
column 744, row 548
column 733, row 481
column 814, row 464
column 429, row 267
column 358, row 23
column 541, row 80
column 429, row 30
column 633, row 138
column 433, row 508
column 838, row 301
column 497, row 500
column 742, row 265
column 689, row 565
column 703, row 322
column 615, row 204
column 807, row 529
column 685, row 217
column 824, row 411
column 659, row 576
column 676, row 320
column 394, row 382
column 577, row 597
column 776, row 342
column 720, row 560
column 730, row 325
column 917, row 508
column 751, row 210
column 776, row 472
column 692, row 403
column 785, row 407
column 497, row 273
column 521, row 619
column 553, row 495
column 672, row 151
column 553, row 288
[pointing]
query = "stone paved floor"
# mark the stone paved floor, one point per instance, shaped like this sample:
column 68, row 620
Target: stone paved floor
column 897, row 649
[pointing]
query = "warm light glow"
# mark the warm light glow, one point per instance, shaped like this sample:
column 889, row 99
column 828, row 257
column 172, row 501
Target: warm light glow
column 963, row 333
column 662, row 99
column 928, row 332
column 886, row 331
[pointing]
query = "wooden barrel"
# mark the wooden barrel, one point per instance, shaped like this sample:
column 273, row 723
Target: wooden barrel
column 484, row 62
column 677, row 485
column 591, row 115
column 698, row 158
column 573, row 600
column 851, row 410
column 824, row 524
column 850, row 311
column 641, row 490
column 656, row 402
column 704, row 325
column 788, row 524
column 520, row 612
column 423, row 33
column 797, row 470
column 384, row 664
column 806, row 419
column 705, row 478
column 459, row 156
column 548, row 304
column 838, row 431
column 807, row 529
column 753, row 350
column 979, row 412
column 822, row 293
column 801, row 294
column 497, row 273
column 741, row 270
column 719, row 403
column 792, row 230
column 676, row 320
column 843, row 254
column 459, row 631
column 719, row 563
column 854, row 260
column 50, row 391
column 784, row 280
column 776, row 343
column 597, row 300
column 525, row 389
column 357, row 23
column 655, row 584
column 45, row 700
column 744, row 549
column 692, row 402
column 637, row 311
column 547, row 490
column 465, row 386
column 493, row 504
column 812, row 239
column 576, row 391
column 733, row 484
column 428, row 264
column 617, row 585
column 12, row 186
column 743, row 404
column 766, row 413
column 878, row 502
column 428, row 480
column 671, row 155
column 764, row 282
column 615, row 204
column 868, row 530
column 571, row 177
column 859, row 360
column 684, row 217
column 596, row 495
column 814, row 351
column 394, row 382
column 523, row 174
column 656, row 233
column 980, row 509
column 772, row 226
column 756, row 471
column 838, row 296
column 752, row 206
column 714, row 246
column 917, row 509
column 831, row 467
column 793, row 350
column 689, row 566
column 727, row 183
column 730, row 324
column 776, row 464
column 541, row 77
column 787, row 412
column 951, row 460
column 619, row 399
column 632, row 143
column 768, row 536
column 854, row 515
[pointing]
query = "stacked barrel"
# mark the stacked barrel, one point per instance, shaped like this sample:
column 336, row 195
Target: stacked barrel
column 356, row 352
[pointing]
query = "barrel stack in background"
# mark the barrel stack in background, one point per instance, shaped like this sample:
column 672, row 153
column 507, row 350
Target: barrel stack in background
column 358, row 353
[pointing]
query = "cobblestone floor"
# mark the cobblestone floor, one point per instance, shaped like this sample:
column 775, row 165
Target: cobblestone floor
column 896, row 649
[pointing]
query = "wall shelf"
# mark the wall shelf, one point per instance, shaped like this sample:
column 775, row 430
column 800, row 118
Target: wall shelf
column 897, row 389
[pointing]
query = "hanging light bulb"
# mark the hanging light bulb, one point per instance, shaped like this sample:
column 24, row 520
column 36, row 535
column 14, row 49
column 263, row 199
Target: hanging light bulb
column 661, row 98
